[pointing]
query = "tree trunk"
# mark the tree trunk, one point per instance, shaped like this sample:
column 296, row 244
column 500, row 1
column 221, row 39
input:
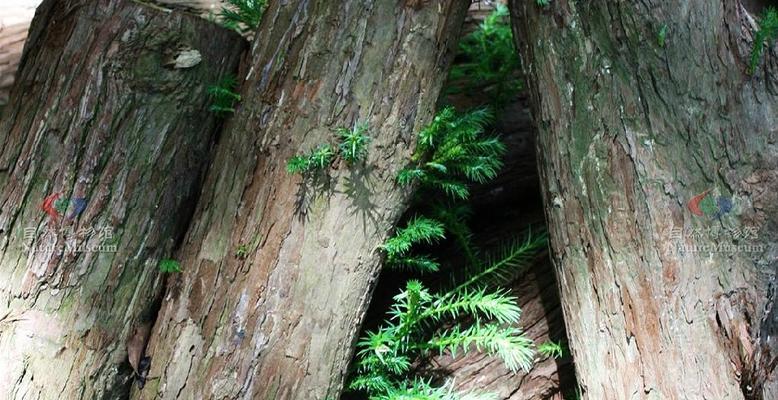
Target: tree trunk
column 105, row 121
column 279, row 269
column 633, row 123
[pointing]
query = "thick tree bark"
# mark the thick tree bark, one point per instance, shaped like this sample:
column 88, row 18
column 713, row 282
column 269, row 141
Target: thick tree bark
column 278, row 319
column 103, row 117
column 15, row 21
column 631, row 127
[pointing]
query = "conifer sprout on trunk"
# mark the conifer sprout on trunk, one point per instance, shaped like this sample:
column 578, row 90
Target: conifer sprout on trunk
column 659, row 170
column 279, row 263
column 102, row 148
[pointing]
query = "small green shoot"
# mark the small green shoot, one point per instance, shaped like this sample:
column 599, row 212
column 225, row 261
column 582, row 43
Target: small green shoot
column 766, row 34
column 168, row 266
column 551, row 349
column 543, row 3
column 242, row 251
column 298, row 165
column 661, row 36
column 322, row 156
column 242, row 16
column 318, row 159
column 353, row 143
column 223, row 96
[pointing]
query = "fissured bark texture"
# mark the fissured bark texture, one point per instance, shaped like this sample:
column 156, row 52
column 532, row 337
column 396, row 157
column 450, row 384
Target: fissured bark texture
column 641, row 106
column 279, row 268
column 111, row 138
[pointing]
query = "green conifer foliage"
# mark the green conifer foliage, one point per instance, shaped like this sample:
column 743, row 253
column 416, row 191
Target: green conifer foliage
column 242, row 16
column 765, row 35
column 223, row 96
column 490, row 58
column 473, row 311
column 453, row 150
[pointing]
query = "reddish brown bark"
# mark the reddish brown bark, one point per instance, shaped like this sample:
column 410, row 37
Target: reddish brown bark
column 101, row 119
column 631, row 127
column 278, row 269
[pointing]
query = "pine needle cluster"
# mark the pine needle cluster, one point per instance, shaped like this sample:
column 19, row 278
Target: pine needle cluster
column 418, row 230
column 551, row 349
column 242, row 16
column 420, row 389
column 353, row 143
column 317, row 159
column 223, row 96
column 352, row 149
column 490, row 58
column 169, row 266
column 765, row 35
column 661, row 35
column 421, row 323
column 472, row 311
column 454, row 151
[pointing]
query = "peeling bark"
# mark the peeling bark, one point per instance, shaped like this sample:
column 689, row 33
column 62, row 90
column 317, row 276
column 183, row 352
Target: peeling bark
column 278, row 320
column 98, row 121
column 629, row 131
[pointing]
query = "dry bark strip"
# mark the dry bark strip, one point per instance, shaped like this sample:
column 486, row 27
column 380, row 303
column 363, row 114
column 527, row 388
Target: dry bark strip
column 279, row 269
column 100, row 115
column 11, row 44
column 629, row 131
